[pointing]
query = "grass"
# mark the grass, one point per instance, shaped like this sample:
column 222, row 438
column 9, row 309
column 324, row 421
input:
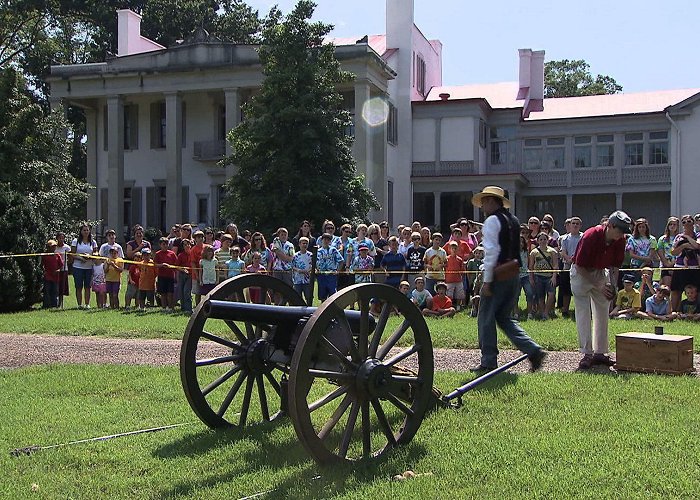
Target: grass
column 460, row 332
column 539, row 436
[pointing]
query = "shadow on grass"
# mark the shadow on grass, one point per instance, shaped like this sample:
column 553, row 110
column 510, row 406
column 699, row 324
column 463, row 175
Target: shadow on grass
column 272, row 453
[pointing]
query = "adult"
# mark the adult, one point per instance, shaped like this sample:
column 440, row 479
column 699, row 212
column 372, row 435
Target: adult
column 174, row 234
column 209, row 239
column 641, row 246
column 425, row 239
column 137, row 244
column 284, row 253
column 549, row 219
column 259, row 245
column 238, row 240
column 663, row 249
column 533, row 224
column 111, row 235
column 501, row 242
column 687, row 251
column 384, row 230
column 594, row 270
column 63, row 249
column 185, row 234
column 82, row 248
column 329, row 227
column 381, row 243
column 305, row 230
column 568, row 244
column 346, row 250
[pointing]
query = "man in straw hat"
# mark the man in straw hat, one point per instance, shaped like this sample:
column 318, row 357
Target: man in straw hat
column 499, row 293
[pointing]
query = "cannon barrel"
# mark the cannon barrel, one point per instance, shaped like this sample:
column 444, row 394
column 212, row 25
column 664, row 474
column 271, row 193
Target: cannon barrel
column 273, row 315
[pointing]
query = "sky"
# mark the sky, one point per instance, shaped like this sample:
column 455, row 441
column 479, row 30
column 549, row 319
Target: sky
column 644, row 45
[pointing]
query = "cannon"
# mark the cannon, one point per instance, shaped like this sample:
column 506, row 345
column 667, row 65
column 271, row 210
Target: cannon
column 355, row 383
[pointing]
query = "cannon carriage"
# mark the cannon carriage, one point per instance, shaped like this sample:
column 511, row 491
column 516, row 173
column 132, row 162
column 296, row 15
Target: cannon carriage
column 336, row 372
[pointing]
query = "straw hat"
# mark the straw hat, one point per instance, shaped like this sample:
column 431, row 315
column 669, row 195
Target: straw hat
column 493, row 191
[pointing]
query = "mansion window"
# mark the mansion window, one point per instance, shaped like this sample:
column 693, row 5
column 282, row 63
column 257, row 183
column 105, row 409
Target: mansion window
column 582, row 151
column 634, row 148
column 131, row 127
column 499, row 152
column 658, row 148
column 392, row 125
column 419, row 74
column 543, row 153
column 605, row 151
column 554, row 153
column 532, row 154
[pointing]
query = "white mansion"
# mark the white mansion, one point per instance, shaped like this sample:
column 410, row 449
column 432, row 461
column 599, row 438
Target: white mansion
column 157, row 118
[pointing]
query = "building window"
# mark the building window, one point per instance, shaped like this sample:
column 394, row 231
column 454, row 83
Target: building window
column 424, row 208
column 499, row 152
column 221, row 123
column 658, row 148
column 392, row 125
column 390, row 203
column 554, row 155
column 158, row 125
column 634, row 149
column 203, row 209
column 131, row 126
column 127, row 208
column 532, row 154
column 605, row 151
column 162, row 208
column 582, row 151
column 420, row 75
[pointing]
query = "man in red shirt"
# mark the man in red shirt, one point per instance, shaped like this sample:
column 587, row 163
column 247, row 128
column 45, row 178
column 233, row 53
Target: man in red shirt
column 165, row 258
column 594, row 270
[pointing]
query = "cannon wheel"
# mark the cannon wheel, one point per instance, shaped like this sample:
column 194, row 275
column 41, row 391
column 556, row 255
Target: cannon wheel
column 219, row 387
column 337, row 376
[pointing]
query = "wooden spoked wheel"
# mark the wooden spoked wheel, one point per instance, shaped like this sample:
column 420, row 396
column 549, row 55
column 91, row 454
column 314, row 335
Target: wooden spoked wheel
column 226, row 368
column 348, row 399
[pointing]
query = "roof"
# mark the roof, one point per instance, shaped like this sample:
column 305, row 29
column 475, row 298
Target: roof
column 503, row 96
column 377, row 42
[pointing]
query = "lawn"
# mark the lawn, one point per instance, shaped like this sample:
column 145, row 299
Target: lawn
column 459, row 332
column 541, row 435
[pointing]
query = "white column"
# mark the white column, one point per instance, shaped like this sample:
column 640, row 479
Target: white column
column 569, row 205
column 115, row 163
column 232, row 101
column 91, row 150
column 437, row 208
column 173, row 166
column 618, row 201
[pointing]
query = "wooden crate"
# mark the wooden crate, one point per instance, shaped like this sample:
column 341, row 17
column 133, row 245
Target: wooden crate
column 650, row 353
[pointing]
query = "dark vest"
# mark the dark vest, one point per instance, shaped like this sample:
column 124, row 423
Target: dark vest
column 509, row 236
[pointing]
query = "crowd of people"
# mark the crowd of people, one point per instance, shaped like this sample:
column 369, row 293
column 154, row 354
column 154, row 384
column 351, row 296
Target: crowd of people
column 442, row 275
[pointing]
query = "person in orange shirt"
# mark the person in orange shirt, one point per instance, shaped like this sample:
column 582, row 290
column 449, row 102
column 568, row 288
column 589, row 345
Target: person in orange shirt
column 195, row 257
column 147, row 280
column 442, row 304
column 453, row 274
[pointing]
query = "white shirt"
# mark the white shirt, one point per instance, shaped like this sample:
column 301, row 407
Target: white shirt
column 492, row 248
column 106, row 247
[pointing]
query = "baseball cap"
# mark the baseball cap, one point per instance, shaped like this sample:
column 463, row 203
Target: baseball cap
column 363, row 247
column 621, row 221
column 628, row 278
column 441, row 285
column 145, row 250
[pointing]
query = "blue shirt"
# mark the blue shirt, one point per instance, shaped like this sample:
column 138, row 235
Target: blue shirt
column 328, row 259
column 301, row 261
column 655, row 308
column 394, row 262
column 235, row 267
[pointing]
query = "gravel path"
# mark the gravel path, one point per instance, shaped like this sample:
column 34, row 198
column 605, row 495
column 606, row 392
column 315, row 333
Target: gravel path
column 27, row 350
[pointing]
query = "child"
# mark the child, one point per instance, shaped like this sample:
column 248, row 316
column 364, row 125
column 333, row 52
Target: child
column 405, row 288
column 147, row 280
column 132, row 285
column 184, row 278
column 628, row 300
column 646, row 286
column 255, row 267
column 207, row 275
column 328, row 259
column 393, row 263
column 690, row 306
column 476, row 299
column 658, row 306
column 235, row 265
column 113, row 274
column 421, row 297
column 363, row 265
column 63, row 249
column 99, row 284
column 165, row 259
column 453, row 275
column 53, row 264
column 222, row 256
column 435, row 260
column 442, row 304
column 301, row 270
column 473, row 266
column 414, row 257
column 544, row 261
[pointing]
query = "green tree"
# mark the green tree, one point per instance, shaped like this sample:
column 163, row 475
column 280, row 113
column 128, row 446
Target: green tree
column 571, row 78
column 37, row 194
column 293, row 157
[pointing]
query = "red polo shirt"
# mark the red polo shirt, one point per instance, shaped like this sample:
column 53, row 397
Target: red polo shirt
column 593, row 252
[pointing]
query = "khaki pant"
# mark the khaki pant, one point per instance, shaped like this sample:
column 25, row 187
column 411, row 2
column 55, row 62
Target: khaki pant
column 591, row 305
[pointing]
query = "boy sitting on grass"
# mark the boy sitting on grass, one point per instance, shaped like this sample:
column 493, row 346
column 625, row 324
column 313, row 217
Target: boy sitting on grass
column 420, row 296
column 628, row 301
column 690, row 306
column 442, row 304
column 658, row 306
